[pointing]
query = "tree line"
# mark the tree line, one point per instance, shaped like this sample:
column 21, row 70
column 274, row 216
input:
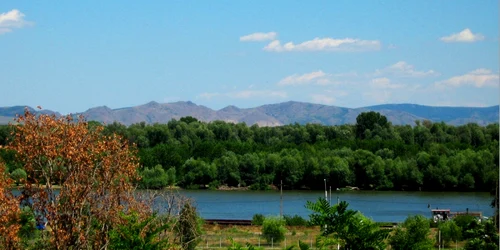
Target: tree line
column 371, row 154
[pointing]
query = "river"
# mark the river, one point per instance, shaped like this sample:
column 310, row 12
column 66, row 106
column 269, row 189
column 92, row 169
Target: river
column 383, row 206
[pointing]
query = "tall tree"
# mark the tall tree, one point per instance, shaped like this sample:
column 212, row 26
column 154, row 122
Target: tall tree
column 368, row 121
column 9, row 212
column 94, row 171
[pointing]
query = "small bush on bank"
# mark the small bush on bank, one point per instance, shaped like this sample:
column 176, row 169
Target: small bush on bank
column 258, row 219
column 295, row 220
column 273, row 229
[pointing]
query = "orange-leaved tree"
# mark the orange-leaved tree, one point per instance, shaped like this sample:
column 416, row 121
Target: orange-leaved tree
column 95, row 174
column 9, row 212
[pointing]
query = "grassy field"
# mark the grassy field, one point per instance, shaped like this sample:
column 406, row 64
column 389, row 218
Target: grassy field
column 219, row 237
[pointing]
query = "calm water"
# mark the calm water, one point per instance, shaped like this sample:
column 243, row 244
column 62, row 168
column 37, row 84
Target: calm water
column 385, row 206
column 380, row 206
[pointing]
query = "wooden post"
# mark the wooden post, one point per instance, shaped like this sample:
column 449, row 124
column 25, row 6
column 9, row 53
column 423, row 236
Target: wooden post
column 281, row 198
column 439, row 240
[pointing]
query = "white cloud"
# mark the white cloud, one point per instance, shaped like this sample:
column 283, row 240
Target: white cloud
column 245, row 94
column 323, row 99
column 325, row 44
column 259, row 37
column 317, row 77
column 403, row 69
column 13, row 19
column 478, row 78
column 384, row 83
column 464, row 36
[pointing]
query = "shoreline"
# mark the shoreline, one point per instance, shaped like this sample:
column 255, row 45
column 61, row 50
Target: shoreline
column 272, row 188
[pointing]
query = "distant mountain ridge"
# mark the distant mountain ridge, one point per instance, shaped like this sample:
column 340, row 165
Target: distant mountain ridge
column 278, row 114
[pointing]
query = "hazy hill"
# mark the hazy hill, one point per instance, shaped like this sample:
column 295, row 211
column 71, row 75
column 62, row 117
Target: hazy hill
column 7, row 114
column 278, row 114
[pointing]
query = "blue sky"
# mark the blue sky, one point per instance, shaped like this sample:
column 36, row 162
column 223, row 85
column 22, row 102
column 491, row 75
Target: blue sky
column 73, row 55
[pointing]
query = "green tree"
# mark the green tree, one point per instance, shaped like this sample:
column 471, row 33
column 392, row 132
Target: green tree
column 367, row 121
column 18, row 175
column 349, row 227
column 484, row 236
column 412, row 234
column 154, row 178
column 273, row 229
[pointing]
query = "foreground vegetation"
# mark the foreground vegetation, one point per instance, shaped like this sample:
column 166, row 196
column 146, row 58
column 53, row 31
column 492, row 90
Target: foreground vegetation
column 96, row 172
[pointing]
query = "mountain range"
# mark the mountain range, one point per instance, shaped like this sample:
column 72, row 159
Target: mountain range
column 277, row 114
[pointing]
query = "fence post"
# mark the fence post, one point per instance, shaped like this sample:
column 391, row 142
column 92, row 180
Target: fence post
column 272, row 242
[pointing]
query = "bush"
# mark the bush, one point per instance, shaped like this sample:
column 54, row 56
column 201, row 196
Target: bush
column 188, row 227
column 295, row 220
column 257, row 219
column 466, row 223
column 139, row 233
column 412, row 234
column 273, row 229
column 27, row 221
column 449, row 232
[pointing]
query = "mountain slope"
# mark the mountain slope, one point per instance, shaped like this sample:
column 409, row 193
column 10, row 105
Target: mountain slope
column 451, row 115
column 277, row 114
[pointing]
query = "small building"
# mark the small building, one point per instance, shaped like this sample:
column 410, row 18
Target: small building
column 440, row 214
column 446, row 214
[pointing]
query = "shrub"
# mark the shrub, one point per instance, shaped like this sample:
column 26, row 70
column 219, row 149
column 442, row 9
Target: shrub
column 466, row 222
column 449, row 232
column 273, row 229
column 258, row 219
column 295, row 220
column 139, row 233
column 28, row 224
column 412, row 234
column 188, row 227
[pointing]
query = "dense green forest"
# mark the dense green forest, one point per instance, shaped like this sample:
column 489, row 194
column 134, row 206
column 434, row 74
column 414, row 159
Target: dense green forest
column 371, row 154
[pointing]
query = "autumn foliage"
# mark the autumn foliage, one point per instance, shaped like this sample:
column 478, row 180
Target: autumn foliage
column 94, row 172
column 9, row 213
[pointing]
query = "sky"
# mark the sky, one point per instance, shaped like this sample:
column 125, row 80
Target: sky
column 69, row 56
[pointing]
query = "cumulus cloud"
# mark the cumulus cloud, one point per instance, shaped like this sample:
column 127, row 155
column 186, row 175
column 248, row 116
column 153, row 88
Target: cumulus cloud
column 464, row 36
column 259, row 37
column 245, row 94
column 325, row 44
column 403, row 69
column 316, row 77
column 478, row 78
column 13, row 19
